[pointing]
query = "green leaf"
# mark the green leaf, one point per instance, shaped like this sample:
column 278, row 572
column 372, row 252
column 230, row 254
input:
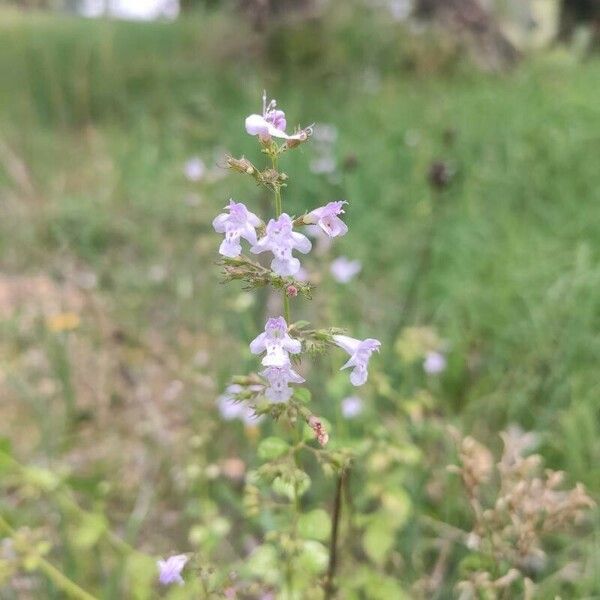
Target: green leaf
column 289, row 485
column 41, row 478
column 89, row 530
column 141, row 574
column 301, row 324
column 378, row 539
column 264, row 564
column 398, row 507
column 302, row 395
column 315, row 525
column 271, row 448
column 313, row 558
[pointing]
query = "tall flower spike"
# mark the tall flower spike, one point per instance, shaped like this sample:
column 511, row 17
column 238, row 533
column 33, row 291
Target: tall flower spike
column 326, row 217
column 169, row 571
column 360, row 353
column 272, row 123
column 239, row 223
column 279, row 379
column 281, row 240
column 276, row 341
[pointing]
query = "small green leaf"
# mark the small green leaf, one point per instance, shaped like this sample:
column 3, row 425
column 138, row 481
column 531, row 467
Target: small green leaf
column 271, row 448
column 315, row 525
column 89, row 530
column 41, row 478
column 378, row 539
column 292, row 484
column 264, row 563
column 302, row 395
column 313, row 558
column 301, row 324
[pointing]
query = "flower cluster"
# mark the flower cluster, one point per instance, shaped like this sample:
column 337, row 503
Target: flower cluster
column 280, row 238
column 282, row 343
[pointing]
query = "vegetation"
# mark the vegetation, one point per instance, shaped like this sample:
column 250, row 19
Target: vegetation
column 473, row 208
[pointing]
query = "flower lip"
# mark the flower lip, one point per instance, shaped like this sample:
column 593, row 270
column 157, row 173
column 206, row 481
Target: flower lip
column 360, row 353
column 281, row 240
column 272, row 123
column 238, row 223
column 279, row 378
column 326, row 217
column 276, row 342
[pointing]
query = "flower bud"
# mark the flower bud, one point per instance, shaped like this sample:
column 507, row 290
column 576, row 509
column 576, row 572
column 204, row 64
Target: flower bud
column 241, row 165
column 321, row 434
column 291, row 291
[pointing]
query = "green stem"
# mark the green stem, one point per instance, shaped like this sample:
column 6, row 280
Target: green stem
column 278, row 211
column 57, row 577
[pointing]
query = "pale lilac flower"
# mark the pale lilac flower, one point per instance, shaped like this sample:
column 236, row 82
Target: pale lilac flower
column 239, row 223
column 323, row 241
column 281, row 240
column 169, row 571
column 434, row 363
column 324, row 164
column 230, row 408
column 352, row 406
column 400, row 9
column 194, row 169
column 272, row 123
column 360, row 352
column 279, row 379
column 344, row 270
column 326, row 217
column 277, row 343
column 325, row 133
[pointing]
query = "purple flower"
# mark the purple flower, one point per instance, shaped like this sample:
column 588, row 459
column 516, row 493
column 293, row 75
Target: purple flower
column 352, row 406
column 239, row 223
column 279, row 379
column 281, row 240
column 434, row 363
column 344, row 270
column 276, row 341
column 194, row 168
column 231, row 409
column 360, row 353
column 169, row 571
column 272, row 123
column 326, row 217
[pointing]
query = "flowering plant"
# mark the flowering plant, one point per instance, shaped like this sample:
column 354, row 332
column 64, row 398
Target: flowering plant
column 274, row 391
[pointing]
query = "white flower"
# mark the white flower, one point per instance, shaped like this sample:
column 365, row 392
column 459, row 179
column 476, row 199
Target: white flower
column 277, row 343
column 434, row 363
column 272, row 123
column 360, row 352
column 344, row 270
column 194, row 168
column 169, row 571
column 239, row 223
column 230, row 408
column 326, row 217
column 281, row 240
column 279, row 379
column 352, row 406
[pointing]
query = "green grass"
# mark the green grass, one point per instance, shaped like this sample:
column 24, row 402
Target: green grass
column 504, row 263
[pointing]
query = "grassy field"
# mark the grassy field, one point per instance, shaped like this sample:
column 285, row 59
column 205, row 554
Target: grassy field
column 116, row 337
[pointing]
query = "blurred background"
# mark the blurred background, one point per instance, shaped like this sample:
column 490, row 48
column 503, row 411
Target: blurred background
column 465, row 135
